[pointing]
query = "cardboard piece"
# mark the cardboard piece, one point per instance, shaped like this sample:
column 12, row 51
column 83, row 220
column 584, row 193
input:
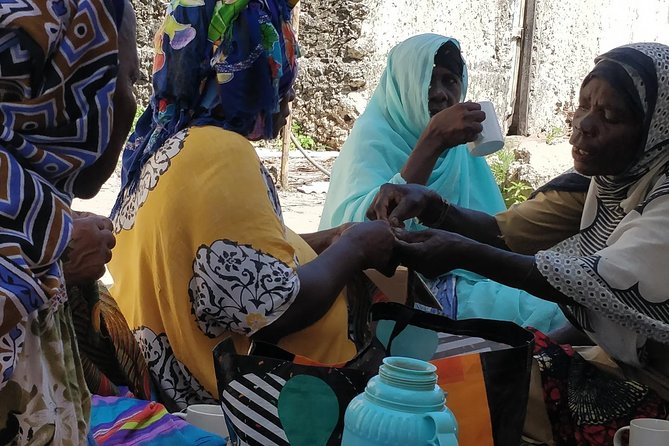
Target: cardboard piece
column 394, row 288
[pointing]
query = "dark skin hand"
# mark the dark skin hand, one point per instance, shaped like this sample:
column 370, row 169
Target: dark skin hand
column 89, row 250
column 465, row 239
column 321, row 240
column 396, row 203
column 364, row 246
column 434, row 252
column 452, row 126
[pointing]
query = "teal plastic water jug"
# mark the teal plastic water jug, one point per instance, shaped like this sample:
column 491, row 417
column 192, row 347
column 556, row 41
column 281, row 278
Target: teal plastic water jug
column 402, row 405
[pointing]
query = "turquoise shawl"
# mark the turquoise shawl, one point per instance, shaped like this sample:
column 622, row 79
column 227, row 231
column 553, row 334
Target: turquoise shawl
column 380, row 143
column 385, row 134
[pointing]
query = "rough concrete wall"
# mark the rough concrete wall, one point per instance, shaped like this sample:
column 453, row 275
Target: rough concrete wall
column 345, row 47
column 569, row 34
column 345, row 43
column 332, row 71
column 484, row 30
column 150, row 14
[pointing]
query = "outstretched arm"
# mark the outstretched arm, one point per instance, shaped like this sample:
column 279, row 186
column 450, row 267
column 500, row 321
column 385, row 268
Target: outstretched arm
column 435, row 252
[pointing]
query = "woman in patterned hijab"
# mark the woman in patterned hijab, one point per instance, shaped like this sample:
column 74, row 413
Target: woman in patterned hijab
column 209, row 55
column 57, row 83
column 611, row 276
column 202, row 251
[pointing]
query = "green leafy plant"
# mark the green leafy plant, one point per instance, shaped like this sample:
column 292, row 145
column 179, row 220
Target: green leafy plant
column 554, row 134
column 513, row 189
column 306, row 141
column 138, row 113
column 516, row 192
column 500, row 164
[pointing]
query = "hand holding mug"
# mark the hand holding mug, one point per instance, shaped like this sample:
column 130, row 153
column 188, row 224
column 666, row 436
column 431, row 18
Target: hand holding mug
column 456, row 125
column 490, row 139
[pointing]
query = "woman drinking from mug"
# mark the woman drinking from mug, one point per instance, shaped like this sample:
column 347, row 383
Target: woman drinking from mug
column 414, row 131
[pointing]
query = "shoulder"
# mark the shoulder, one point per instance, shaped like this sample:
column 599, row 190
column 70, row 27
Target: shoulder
column 212, row 147
column 215, row 139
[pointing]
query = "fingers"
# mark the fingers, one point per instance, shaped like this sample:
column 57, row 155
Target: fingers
column 401, row 212
column 104, row 223
column 99, row 272
column 471, row 106
column 384, row 200
column 107, row 256
column 409, row 237
column 477, row 115
column 81, row 214
column 390, row 269
column 379, row 208
column 108, row 239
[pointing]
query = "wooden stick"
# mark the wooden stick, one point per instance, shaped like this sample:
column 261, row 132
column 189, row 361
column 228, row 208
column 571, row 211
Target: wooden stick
column 286, row 133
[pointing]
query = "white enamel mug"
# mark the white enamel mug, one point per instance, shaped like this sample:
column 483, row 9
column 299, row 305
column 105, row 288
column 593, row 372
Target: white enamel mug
column 208, row 417
column 490, row 140
column 645, row 432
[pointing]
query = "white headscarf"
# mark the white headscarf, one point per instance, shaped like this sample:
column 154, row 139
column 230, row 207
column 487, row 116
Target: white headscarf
column 617, row 268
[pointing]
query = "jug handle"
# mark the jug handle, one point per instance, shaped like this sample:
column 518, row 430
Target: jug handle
column 446, row 428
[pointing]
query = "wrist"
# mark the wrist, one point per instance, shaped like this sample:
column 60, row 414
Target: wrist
column 436, row 212
column 354, row 250
column 430, row 142
column 470, row 254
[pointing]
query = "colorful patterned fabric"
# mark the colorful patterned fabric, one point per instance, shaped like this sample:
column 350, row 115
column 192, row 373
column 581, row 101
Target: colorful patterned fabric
column 585, row 405
column 615, row 268
column 109, row 352
column 240, row 54
column 59, row 62
column 131, row 422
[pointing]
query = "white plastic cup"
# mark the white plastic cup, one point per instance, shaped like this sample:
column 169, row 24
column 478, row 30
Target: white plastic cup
column 490, row 140
column 645, row 432
column 208, row 417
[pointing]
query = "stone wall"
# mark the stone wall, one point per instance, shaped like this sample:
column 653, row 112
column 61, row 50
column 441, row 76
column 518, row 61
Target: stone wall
column 150, row 14
column 332, row 86
column 569, row 35
column 345, row 43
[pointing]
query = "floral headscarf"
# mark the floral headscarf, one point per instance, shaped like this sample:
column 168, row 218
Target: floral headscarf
column 238, row 54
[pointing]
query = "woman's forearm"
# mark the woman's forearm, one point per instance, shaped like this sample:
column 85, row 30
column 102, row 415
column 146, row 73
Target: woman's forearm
column 321, row 240
column 472, row 224
column 508, row 268
column 321, row 282
column 421, row 162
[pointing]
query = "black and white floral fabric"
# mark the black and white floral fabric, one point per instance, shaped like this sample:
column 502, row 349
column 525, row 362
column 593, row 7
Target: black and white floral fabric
column 131, row 200
column 177, row 384
column 238, row 288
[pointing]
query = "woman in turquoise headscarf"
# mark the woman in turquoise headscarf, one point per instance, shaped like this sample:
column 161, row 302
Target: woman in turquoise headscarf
column 414, row 130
